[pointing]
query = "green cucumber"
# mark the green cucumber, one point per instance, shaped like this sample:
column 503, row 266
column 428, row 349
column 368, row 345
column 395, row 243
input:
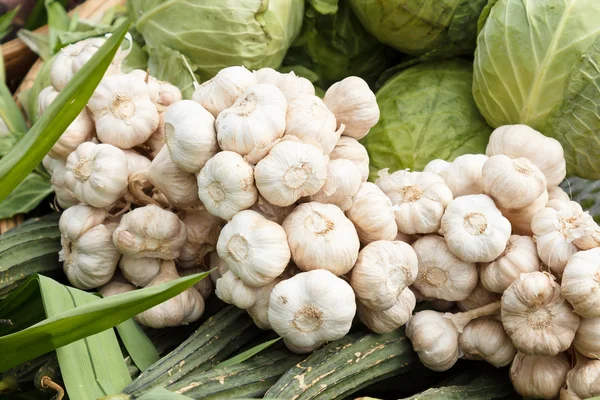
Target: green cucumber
column 345, row 366
column 216, row 339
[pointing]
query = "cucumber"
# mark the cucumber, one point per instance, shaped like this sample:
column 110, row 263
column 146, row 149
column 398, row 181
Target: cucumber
column 220, row 336
column 345, row 366
column 249, row 379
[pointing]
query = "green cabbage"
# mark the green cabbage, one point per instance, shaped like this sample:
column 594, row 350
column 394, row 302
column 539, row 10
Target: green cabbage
column 214, row 34
column 537, row 63
column 427, row 112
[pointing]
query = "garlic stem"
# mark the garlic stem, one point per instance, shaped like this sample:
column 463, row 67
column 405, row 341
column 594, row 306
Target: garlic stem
column 461, row 319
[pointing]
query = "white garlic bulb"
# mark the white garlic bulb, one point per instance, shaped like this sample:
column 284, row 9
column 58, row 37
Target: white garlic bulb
column 271, row 212
column 372, row 214
column 350, row 149
column 135, row 163
column 204, row 286
column 162, row 94
column 156, row 141
column 434, row 339
column 584, row 379
column 220, row 92
column 442, row 275
column 381, row 273
column 139, row 271
column 311, row 308
column 580, row 284
column 519, row 256
column 122, row 111
column 343, row 182
column 190, row 135
column 436, row 166
column 217, row 265
column 88, row 254
column 266, row 75
column 259, row 312
column 293, row 86
column 419, row 199
column 512, row 183
column 464, row 175
column 56, row 167
column 536, row 316
column 390, row 319
column 255, row 248
column 97, row 174
column 226, row 185
column 557, row 193
column 150, row 231
column 479, row 297
column 475, row 229
column 321, row 237
column 290, row 171
column 354, row 105
column 587, row 338
column 520, row 219
column 522, row 141
column 537, row 376
column 203, row 231
column 485, row 339
column 115, row 287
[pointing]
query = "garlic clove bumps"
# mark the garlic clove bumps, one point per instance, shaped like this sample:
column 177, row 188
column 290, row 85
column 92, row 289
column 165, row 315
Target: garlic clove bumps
column 266, row 75
column 343, row 182
column 232, row 290
column 390, row 319
column 321, row 237
column 64, row 197
column 537, row 376
column 139, row 271
column 584, row 379
column 293, row 86
column 520, row 219
column 203, row 231
column 220, row 92
column 259, row 312
column 203, row 286
column 372, row 214
column 557, row 193
column 436, row 166
column 581, row 282
column 218, row 266
column 115, row 287
column 587, row 338
column 464, row 175
column 479, row 297
column 485, row 339
column 350, row 149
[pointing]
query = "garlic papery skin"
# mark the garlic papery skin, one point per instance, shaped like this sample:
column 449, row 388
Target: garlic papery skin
column 587, row 338
column 293, row 86
column 150, row 231
column 135, row 163
column 204, row 286
column 97, row 174
column 203, row 231
column 475, row 229
column 442, row 275
column 464, row 175
column 479, row 297
column 343, row 182
column 485, row 339
column 321, row 237
column 519, row 256
column 162, row 94
column 122, row 111
column 290, row 171
column 557, row 193
column 226, row 185
column 220, row 92
column 266, row 75
column 115, row 287
column 584, row 379
column 520, row 219
column 64, row 197
column 354, row 105
column 512, row 183
column 251, row 125
column 419, row 199
column 436, row 166
column 271, row 212
column 536, row 317
column 522, row 141
column 580, row 283
column 156, row 141
column 255, row 248
column 88, row 254
column 390, row 319
column 182, row 309
column 217, row 265
column 537, row 376
column 190, row 135
column 311, row 308
column 381, row 273
column 259, row 312
column 309, row 118
column 139, row 271
column 372, row 214
column 350, row 149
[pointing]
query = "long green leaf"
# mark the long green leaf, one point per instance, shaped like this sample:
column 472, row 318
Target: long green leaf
column 9, row 111
column 248, row 353
column 6, row 21
column 26, row 196
column 138, row 345
column 83, row 321
column 32, row 148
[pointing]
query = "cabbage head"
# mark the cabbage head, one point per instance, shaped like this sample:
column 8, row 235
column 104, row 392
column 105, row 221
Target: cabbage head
column 435, row 28
column 427, row 112
column 213, row 34
column 538, row 63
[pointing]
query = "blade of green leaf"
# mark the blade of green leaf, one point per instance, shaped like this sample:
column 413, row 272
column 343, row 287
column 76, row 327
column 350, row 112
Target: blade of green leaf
column 6, row 21
column 38, row 43
column 26, row 196
column 83, row 321
column 9, row 111
column 32, row 148
column 160, row 393
column 58, row 21
column 248, row 353
column 138, row 345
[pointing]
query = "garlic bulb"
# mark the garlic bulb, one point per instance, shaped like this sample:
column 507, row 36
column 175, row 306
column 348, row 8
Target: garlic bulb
column 226, row 185
column 255, row 248
column 584, row 379
column 291, row 170
column 259, row 312
column 522, row 141
column 321, row 237
column 475, row 229
column 88, row 254
column 519, row 256
column 434, row 339
column 442, row 275
column 162, row 94
column 156, row 141
column 311, row 308
column 381, row 273
column 520, row 219
column 115, row 287
column 419, row 199
column 556, row 193
column 251, row 125
column 293, row 86
column 266, row 75
column 537, row 376
column 580, row 284
column 184, row 308
column 479, row 297
column 512, row 183
column 464, row 175
column 203, row 231
column 217, row 265
column 536, row 317
column 271, row 212
column 135, row 163
column 343, row 182
column 372, row 214
column 97, row 174
column 150, row 231
column 436, row 166
column 390, row 319
column 123, row 112
column 203, row 286
column 190, row 135
column 403, row 237
column 64, row 197
column 485, row 339
column 587, row 338
column 139, row 271
column 354, row 105
column 220, row 92
column 350, row 149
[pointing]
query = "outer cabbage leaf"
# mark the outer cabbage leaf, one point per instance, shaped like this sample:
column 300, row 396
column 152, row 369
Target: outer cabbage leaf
column 325, row 6
column 173, row 67
column 427, row 112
